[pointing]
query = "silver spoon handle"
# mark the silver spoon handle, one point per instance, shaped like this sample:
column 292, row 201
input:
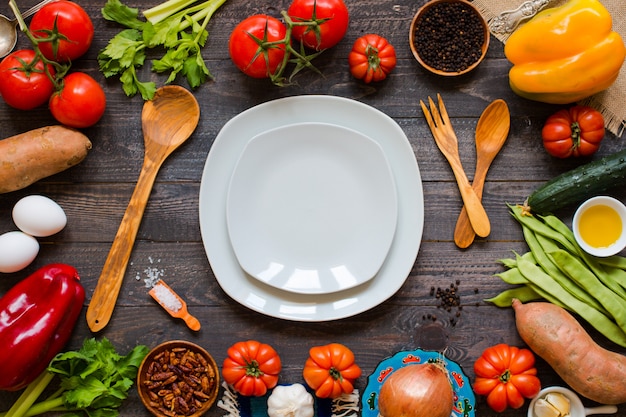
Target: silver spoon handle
column 508, row 21
column 35, row 8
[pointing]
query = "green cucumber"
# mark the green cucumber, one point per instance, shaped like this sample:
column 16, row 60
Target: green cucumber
column 580, row 183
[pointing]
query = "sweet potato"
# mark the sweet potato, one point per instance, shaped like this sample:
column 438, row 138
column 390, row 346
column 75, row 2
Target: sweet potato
column 36, row 154
column 557, row 337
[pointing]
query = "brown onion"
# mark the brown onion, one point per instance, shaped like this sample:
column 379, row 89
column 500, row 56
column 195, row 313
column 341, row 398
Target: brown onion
column 416, row 391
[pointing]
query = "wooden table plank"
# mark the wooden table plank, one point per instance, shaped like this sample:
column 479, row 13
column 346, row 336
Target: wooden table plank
column 96, row 192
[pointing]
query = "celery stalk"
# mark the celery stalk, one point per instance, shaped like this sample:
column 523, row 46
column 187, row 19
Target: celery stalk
column 164, row 10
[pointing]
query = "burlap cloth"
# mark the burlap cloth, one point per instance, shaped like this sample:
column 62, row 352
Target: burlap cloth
column 610, row 102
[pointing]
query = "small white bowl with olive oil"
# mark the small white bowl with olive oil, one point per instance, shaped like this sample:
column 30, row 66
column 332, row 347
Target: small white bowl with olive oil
column 599, row 226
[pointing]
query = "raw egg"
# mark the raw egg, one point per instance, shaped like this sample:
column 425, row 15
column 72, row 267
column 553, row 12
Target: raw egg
column 600, row 226
column 39, row 216
column 17, row 251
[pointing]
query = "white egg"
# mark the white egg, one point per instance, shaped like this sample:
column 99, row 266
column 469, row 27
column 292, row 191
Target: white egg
column 39, row 216
column 17, row 251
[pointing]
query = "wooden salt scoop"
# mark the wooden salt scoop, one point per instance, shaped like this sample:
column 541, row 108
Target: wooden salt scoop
column 175, row 309
column 167, row 120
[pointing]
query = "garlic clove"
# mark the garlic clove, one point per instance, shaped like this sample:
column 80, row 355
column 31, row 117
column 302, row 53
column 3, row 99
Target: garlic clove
column 559, row 401
column 544, row 409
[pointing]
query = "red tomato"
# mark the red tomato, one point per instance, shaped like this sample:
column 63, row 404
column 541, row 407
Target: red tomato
column 331, row 370
column 371, row 58
column 577, row 131
column 80, row 102
column 506, row 375
column 73, row 33
column 23, row 81
column 332, row 17
column 251, row 368
column 246, row 49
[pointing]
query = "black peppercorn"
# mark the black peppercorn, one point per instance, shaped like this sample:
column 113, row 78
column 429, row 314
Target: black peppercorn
column 449, row 36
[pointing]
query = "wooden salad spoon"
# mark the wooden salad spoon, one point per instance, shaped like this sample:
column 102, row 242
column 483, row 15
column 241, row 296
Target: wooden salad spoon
column 491, row 133
column 167, row 120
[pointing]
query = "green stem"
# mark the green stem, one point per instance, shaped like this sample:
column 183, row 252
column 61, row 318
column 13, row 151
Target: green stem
column 162, row 11
column 30, row 395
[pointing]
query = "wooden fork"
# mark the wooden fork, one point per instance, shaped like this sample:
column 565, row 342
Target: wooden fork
column 447, row 143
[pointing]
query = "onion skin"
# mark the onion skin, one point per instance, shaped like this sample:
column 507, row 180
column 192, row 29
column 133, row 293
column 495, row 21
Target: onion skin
column 416, row 391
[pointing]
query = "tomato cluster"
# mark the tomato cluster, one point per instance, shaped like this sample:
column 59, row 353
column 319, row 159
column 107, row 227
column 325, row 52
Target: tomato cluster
column 60, row 32
column 252, row 368
column 261, row 45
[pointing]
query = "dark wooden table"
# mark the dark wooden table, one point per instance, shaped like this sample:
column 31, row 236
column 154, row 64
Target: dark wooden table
column 95, row 193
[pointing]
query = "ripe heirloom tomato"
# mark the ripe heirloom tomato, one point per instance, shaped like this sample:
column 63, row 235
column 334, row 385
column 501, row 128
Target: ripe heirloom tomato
column 251, row 368
column 80, row 102
column 577, row 131
column 506, row 375
column 72, row 36
column 326, row 34
column 330, row 370
column 246, row 50
column 371, row 58
column 24, row 84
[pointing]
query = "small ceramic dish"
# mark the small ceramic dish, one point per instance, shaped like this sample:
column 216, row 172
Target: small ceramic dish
column 167, row 360
column 577, row 409
column 599, row 226
column 449, row 37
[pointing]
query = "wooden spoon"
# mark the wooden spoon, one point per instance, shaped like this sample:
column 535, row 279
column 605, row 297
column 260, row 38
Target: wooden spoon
column 180, row 310
column 491, row 133
column 167, row 121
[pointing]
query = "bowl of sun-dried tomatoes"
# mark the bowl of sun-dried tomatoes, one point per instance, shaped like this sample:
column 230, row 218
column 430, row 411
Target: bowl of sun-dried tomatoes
column 178, row 379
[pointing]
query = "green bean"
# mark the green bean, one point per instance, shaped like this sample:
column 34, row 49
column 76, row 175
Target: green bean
column 574, row 268
column 512, row 276
column 612, row 278
column 546, row 246
column 512, row 262
column 523, row 293
column 541, row 228
column 614, row 261
column 555, row 292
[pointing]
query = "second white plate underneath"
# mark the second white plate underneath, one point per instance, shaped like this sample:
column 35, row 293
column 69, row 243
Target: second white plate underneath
column 312, row 208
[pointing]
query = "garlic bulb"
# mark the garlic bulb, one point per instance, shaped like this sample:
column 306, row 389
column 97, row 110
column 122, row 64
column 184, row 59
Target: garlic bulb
column 553, row 404
column 290, row 401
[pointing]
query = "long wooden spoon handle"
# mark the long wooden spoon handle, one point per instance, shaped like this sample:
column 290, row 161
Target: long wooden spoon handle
column 108, row 287
column 464, row 232
column 475, row 210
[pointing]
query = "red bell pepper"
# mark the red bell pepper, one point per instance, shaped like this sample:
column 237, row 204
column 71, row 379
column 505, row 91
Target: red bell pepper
column 37, row 317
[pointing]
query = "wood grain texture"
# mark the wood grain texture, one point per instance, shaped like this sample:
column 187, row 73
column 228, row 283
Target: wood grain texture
column 95, row 193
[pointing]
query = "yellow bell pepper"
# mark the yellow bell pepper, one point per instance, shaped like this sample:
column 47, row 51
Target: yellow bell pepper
column 565, row 54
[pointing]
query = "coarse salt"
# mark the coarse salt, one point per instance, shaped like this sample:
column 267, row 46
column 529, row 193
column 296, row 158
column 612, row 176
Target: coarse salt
column 167, row 298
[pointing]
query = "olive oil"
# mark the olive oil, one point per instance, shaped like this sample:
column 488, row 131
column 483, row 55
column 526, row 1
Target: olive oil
column 600, row 226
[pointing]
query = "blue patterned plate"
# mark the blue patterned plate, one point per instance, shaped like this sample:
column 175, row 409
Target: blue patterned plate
column 464, row 399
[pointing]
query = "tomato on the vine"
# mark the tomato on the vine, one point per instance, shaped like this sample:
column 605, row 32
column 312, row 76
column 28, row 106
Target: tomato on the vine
column 333, row 19
column 24, row 83
column 330, row 370
column 80, row 102
column 576, row 131
column 371, row 58
column 68, row 27
column 246, row 45
column 251, row 367
column 506, row 375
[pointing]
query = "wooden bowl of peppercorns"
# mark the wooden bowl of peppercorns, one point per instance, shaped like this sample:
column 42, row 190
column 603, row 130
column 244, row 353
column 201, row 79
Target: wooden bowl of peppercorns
column 178, row 378
column 449, row 37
